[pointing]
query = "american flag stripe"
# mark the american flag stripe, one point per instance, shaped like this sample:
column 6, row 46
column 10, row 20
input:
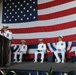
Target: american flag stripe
column 45, row 28
column 50, row 22
column 55, row 17
column 57, row 8
column 58, row 14
column 45, row 1
column 54, row 39
column 53, row 3
column 46, row 34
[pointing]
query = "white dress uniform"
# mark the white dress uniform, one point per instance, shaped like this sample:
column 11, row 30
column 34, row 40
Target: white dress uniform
column 60, row 46
column 8, row 34
column 23, row 50
column 73, row 49
column 41, row 50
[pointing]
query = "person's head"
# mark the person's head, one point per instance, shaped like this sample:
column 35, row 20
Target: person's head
column 60, row 38
column 5, row 28
column 23, row 41
column 12, row 73
column 1, row 72
column 40, row 40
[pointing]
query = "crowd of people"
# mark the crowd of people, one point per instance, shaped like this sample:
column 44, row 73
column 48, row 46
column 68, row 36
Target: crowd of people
column 42, row 48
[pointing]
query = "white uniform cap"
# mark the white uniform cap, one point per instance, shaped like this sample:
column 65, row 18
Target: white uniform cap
column 40, row 40
column 60, row 36
column 5, row 27
column 23, row 41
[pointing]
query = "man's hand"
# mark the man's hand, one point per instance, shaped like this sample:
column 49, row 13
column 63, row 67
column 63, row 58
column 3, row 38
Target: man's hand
column 42, row 46
column 7, row 35
column 59, row 49
column 21, row 51
column 39, row 50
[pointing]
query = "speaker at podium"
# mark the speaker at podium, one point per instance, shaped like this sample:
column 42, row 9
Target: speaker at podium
column 4, row 50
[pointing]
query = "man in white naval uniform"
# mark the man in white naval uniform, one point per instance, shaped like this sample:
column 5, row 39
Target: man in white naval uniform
column 41, row 50
column 74, row 49
column 8, row 34
column 21, row 51
column 60, row 48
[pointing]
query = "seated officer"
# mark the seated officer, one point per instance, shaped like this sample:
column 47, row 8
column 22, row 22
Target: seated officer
column 60, row 48
column 41, row 50
column 73, row 49
column 21, row 51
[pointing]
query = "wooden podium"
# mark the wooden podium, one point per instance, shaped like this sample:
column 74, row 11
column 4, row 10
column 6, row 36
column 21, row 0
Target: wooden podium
column 4, row 49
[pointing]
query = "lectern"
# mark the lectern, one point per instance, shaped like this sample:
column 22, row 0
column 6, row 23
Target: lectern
column 4, row 49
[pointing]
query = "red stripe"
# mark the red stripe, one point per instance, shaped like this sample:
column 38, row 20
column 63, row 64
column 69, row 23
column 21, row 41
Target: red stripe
column 71, row 47
column 47, row 40
column 45, row 28
column 53, row 3
column 57, row 14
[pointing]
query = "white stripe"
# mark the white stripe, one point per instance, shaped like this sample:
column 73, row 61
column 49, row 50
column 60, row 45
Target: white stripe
column 50, row 48
column 32, row 51
column 73, row 49
column 69, row 45
column 65, row 32
column 57, row 8
column 44, row 1
column 43, row 23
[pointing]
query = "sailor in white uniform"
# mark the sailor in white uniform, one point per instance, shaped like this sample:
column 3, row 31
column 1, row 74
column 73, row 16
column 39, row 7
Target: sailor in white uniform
column 73, row 49
column 41, row 50
column 8, row 34
column 21, row 51
column 60, row 48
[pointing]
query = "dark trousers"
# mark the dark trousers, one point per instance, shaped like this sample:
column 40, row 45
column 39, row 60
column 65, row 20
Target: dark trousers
column 73, row 59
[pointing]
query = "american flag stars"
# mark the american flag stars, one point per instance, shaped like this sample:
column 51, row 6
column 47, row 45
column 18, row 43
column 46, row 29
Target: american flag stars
column 19, row 11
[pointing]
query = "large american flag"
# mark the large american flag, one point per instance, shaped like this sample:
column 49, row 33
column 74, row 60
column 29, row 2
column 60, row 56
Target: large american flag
column 34, row 19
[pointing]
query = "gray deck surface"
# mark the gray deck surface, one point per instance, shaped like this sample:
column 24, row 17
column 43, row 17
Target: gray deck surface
column 45, row 66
